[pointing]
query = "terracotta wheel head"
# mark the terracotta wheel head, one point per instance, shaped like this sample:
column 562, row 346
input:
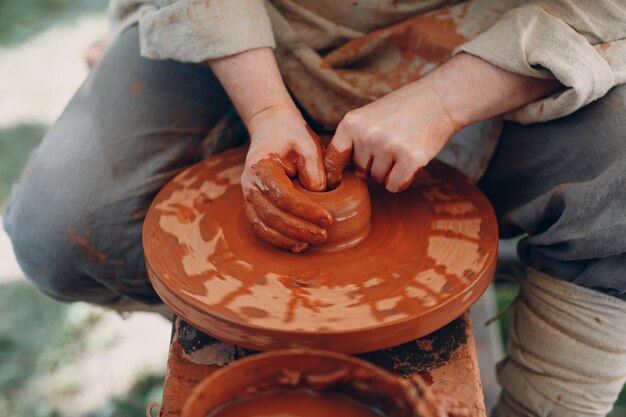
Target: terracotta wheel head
column 390, row 272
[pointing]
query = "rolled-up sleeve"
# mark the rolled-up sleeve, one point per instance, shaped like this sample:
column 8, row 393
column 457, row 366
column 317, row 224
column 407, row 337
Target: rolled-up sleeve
column 581, row 43
column 197, row 31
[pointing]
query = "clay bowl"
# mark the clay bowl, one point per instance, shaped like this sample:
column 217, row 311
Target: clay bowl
column 303, row 369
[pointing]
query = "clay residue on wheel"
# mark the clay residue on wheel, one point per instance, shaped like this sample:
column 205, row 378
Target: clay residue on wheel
column 430, row 252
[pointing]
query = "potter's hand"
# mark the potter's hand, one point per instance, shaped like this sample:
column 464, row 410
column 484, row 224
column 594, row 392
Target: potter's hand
column 393, row 137
column 390, row 138
column 283, row 146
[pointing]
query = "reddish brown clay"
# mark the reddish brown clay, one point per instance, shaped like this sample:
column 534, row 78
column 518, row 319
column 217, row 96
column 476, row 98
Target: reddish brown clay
column 274, row 182
column 349, row 204
column 295, row 403
column 309, row 383
column 278, row 213
column 335, row 162
column 429, row 255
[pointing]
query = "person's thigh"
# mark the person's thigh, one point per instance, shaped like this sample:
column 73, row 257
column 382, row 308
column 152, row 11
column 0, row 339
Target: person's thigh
column 563, row 184
column 75, row 216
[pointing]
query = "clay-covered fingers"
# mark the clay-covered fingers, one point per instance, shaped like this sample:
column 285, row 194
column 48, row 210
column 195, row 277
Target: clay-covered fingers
column 270, row 235
column 337, row 156
column 310, row 163
column 289, row 166
column 284, row 222
column 278, row 188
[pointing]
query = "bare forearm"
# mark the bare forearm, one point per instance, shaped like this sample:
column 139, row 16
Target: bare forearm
column 472, row 89
column 396, row 135
column 253, row 82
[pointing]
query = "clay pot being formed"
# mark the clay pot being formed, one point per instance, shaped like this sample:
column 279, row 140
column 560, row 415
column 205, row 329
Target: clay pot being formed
column 319, row 373
column 349, row 203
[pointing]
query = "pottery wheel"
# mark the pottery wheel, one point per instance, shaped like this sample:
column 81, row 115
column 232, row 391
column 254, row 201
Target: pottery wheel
column 430, row 254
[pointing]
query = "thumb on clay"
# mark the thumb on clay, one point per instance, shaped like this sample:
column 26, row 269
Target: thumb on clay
column 311, row 170
column 336, row 157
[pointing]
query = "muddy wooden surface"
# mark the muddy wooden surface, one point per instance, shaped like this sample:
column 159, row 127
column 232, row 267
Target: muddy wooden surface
column 446, row 359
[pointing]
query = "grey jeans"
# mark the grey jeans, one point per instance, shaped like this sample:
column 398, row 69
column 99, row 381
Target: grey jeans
column 75, row 216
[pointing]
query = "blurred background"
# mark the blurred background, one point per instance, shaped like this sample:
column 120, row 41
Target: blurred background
column 76, row 360
column 60, row 359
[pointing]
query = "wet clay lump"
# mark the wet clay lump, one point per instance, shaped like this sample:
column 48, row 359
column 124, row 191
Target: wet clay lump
column 428, row 254
column 349, row 204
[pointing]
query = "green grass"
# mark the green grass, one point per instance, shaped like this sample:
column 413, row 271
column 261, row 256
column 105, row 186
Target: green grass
column 34, row 341
column 620, row 406
column 37, row 337
column 16, row 144
column 21, row 19
column 505, row 294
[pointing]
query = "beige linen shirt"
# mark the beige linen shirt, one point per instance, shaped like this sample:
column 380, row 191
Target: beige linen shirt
column 337, row 55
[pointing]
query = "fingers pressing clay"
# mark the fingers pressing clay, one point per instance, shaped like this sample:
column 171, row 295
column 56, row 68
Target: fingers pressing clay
column 285, row 223
column 270, row 235
column 282, row 146
column 335, row 160
column 277, row 187
column 288, row 165
column 311, row 172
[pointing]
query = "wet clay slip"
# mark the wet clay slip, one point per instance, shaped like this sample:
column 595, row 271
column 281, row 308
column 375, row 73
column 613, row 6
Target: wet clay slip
column 309, row 383
column 295, row 403
column 388, row 273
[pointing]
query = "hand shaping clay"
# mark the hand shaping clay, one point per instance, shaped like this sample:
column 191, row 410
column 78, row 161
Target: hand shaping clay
column 421, row 260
